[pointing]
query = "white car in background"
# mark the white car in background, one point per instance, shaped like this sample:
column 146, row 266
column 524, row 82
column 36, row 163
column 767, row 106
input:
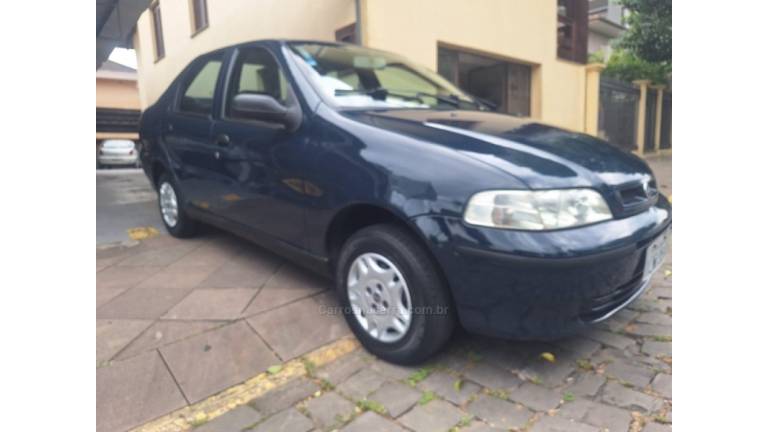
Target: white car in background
column 116, row 152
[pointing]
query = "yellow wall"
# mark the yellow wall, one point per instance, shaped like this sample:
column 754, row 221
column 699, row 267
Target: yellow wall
column 522, row 30
column 114, row 93
column 230, row 22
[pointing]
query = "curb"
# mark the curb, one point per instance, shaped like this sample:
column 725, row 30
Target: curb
column 233, row 397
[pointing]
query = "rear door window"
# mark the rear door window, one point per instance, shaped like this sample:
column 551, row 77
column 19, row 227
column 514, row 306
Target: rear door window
column 199, row 89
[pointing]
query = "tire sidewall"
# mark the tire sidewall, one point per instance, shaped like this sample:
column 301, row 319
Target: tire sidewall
column 180, row 229
column 374, row 242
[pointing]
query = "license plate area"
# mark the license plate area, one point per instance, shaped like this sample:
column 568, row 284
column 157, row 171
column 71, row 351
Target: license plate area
column 655, row 254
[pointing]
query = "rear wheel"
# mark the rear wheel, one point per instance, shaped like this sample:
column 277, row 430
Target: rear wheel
column 394, row 298
column 175, row 219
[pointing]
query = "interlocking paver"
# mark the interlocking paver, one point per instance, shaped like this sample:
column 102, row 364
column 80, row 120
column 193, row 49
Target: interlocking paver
column 445, row 385
column 624, row 371
column 395, row 397
column 559, row 424
column 329, row 409
column 586, row 384
column 392, row 371
column 210, row 362
column 596, row 414
column 662, row 384
column 435, row 416
column 285, row 396
column 611, row 339
column 499, row 413
column 134, row 391
column 616, row 394
column 655, row 318
column 233, row 421
column 580, row 346
column 649, row 330
column 656, row 348
column 478, row 426
column 299, row 327
column 493, row 377
column 342, row 368
column 537, row 397
column 361, row 384
column 370, row 422
column 656, row 427
column 289, row 420
column 212, row 304
column 551, row 374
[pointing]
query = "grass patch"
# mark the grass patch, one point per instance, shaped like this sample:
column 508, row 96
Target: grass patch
column 568, row 397
column 370, row 405
column 326, row 385
column 584, row 364
column 427, row 397
column 419, row 375
column 310, row 367
column 497, row 393
column 662, row 338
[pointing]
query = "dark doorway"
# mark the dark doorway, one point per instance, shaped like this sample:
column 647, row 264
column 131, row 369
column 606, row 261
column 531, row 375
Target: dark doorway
column 505, row 84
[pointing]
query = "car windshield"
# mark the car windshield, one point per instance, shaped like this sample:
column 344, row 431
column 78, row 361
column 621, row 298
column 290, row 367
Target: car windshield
column 354, row 77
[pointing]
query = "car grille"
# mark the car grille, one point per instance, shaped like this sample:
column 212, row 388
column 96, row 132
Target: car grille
column 636, row 197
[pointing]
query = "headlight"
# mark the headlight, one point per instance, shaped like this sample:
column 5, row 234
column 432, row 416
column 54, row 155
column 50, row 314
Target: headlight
column 536, row 210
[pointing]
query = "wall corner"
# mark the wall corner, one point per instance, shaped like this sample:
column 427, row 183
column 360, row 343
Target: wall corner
column 592, row 98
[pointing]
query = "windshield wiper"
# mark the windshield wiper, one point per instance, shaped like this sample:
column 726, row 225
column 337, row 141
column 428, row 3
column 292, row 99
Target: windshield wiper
column 381, row 93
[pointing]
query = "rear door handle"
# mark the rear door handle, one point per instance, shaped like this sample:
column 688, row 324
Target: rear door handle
column 222, row 140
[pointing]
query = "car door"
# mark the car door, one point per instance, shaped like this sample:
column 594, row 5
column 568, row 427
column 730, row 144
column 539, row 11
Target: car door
column 187, row 129
column 262, row 164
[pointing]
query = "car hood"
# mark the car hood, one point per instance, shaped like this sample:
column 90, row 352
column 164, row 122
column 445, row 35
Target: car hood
column 539, row 155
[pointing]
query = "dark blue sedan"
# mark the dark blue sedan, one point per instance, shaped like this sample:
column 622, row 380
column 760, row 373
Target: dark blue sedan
column 427, row 209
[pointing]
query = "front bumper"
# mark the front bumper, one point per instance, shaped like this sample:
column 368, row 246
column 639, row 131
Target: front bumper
column 118, row 159
column 540, row 285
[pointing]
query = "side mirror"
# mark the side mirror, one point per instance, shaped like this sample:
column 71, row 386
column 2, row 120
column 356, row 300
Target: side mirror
column 258, row 107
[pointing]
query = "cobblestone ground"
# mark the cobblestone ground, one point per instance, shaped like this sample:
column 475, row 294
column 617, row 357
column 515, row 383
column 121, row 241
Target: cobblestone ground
column 615, row 377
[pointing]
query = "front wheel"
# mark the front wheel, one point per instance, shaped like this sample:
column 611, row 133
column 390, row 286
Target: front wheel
column 393, row 296
column 175, row 219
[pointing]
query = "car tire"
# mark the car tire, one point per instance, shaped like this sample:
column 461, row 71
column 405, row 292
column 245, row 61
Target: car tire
column 180, row 226
column 391, row 250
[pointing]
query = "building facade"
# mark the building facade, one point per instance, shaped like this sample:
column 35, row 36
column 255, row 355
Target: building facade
column 526, row 56
column 117, row 102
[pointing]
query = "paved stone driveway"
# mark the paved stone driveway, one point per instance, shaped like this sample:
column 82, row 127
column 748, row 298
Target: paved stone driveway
column 180, row 320
column 617, row 377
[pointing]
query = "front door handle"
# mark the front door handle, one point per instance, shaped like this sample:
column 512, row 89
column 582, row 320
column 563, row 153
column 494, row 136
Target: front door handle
column 222, row 140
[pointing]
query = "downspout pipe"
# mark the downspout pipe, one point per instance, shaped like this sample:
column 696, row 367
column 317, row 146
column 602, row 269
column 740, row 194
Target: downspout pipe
column 358, row 23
